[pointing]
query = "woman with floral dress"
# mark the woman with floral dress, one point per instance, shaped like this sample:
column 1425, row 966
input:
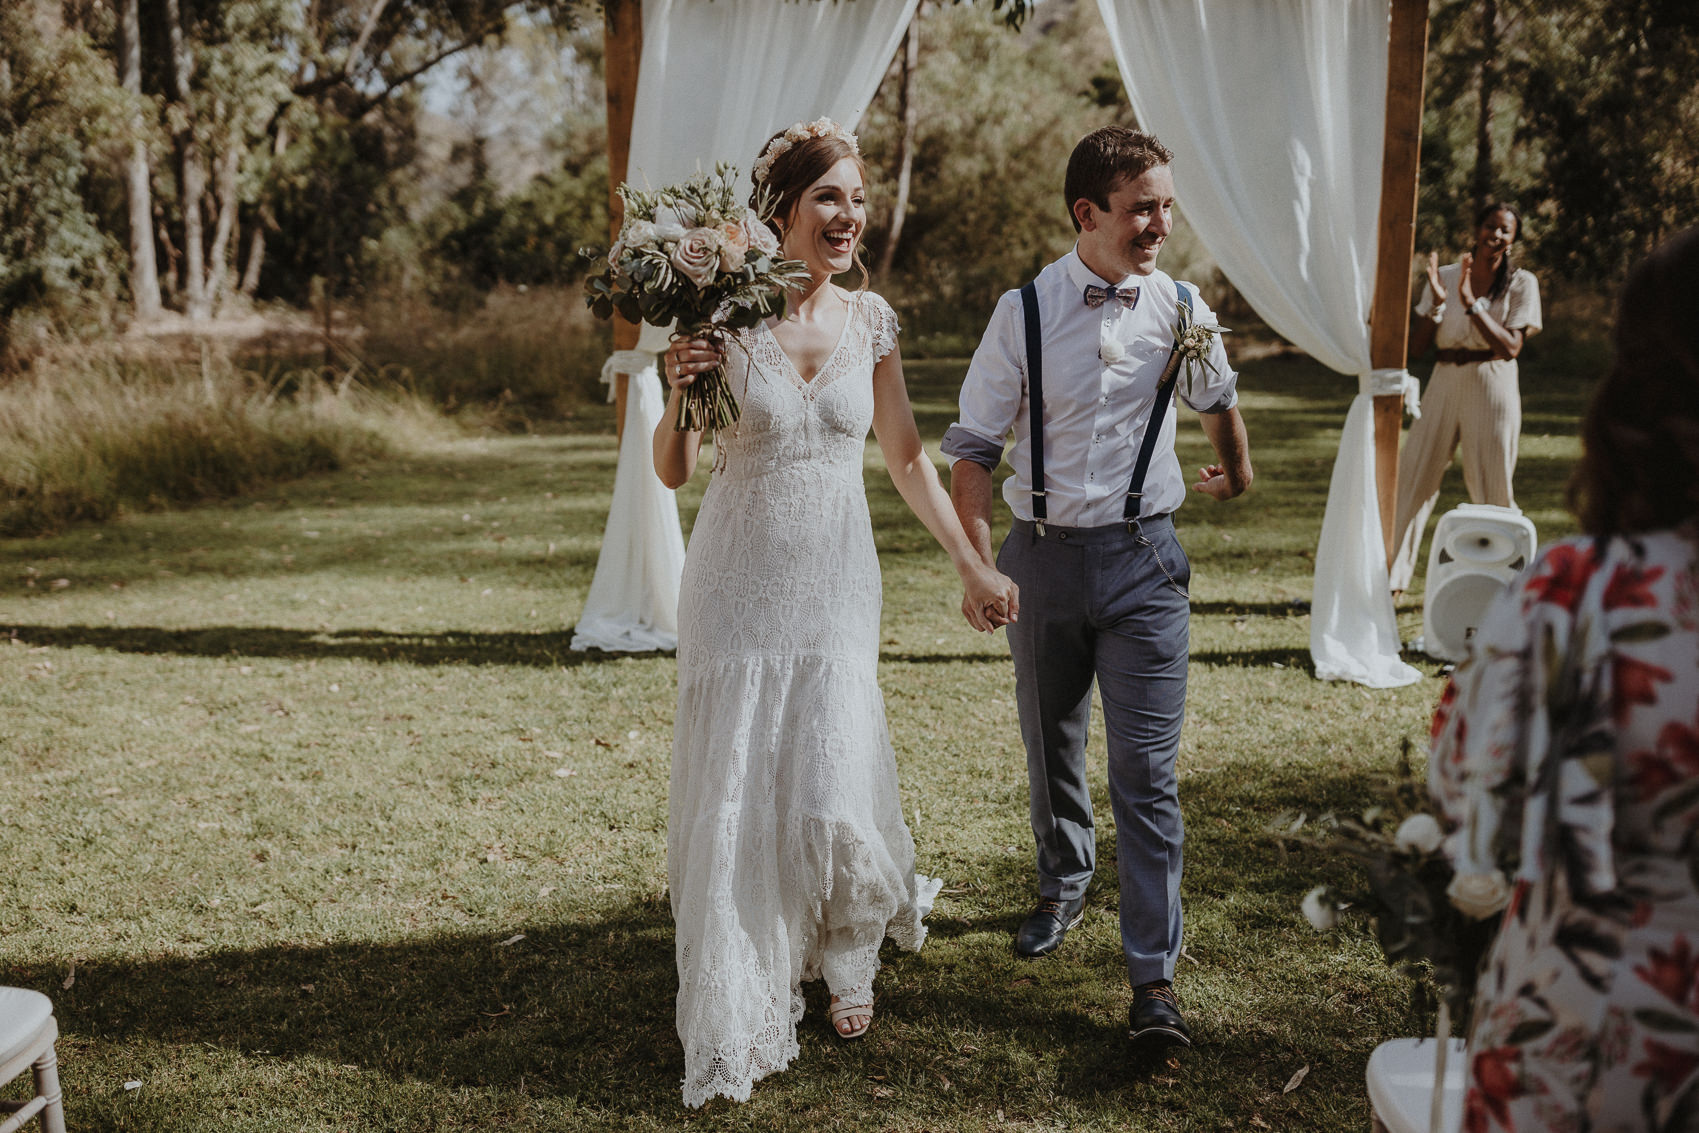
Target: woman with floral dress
column 1566, row 752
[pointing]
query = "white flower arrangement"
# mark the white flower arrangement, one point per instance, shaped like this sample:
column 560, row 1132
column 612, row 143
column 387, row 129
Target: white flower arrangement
column 802, row 131
column 1192, row 342
column 694, row 254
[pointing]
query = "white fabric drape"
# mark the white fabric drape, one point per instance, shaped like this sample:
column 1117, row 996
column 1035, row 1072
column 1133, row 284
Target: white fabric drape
column 633, row 601
column 716, row 80
column 1275, row 113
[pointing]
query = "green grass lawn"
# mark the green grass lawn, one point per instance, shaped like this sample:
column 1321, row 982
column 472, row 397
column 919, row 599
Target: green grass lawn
column 313, row 821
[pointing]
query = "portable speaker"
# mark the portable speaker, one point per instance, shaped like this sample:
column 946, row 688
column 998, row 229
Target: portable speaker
column 1477, row 550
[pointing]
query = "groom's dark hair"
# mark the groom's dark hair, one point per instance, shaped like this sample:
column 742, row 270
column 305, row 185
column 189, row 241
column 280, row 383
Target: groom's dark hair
column 1103, row 159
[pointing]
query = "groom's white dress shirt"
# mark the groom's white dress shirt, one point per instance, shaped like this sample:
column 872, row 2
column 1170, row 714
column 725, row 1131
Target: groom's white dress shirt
column 1101, row 368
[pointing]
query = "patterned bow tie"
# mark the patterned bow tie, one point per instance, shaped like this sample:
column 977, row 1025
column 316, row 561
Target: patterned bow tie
column 1096, row 296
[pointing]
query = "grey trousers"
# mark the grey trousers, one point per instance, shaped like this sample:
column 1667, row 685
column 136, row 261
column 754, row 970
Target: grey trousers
column 1098, row 604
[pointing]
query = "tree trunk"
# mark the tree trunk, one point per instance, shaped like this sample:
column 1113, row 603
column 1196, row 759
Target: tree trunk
column 262, row 222
column 218, row 258
column 192, row 162
column 138, row 177
column 905, row 145
column 1483, row 180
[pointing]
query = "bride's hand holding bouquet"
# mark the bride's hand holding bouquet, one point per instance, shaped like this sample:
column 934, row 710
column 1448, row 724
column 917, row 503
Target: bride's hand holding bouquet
column 694, row 255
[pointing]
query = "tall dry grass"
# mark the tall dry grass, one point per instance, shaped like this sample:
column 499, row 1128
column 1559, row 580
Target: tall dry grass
column 85, row 434
column 520, row 358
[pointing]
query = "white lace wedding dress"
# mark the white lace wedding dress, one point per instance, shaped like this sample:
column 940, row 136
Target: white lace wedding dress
column 787, row 855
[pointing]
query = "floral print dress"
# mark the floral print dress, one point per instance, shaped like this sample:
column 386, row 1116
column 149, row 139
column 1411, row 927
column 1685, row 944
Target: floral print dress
column 1566, row 751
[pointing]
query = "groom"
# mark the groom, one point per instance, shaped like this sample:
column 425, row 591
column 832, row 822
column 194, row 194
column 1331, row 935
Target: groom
column 1075, row 367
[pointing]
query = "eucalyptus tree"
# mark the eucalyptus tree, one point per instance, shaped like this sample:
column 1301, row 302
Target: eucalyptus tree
column 60, row 111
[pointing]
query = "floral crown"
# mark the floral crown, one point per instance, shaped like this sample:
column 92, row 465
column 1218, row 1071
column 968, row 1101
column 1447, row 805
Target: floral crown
column 801, row 132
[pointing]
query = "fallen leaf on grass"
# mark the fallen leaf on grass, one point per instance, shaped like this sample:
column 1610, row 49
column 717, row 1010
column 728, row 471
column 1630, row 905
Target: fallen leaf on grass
column 554, row 755
column 1258, row 1122
column 1024, row 981
column 133, row 1084
column 60, row 583
column 564, row 772
column 1297, row 1077
column 600, row 742
column 70, row 977
column 883, row 1092
column 514, row 939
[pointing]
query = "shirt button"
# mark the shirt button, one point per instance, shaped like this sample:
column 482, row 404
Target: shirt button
column 1091, row 475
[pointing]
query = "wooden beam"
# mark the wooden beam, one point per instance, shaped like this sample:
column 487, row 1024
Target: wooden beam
column 622, row 41
column 1389, row 318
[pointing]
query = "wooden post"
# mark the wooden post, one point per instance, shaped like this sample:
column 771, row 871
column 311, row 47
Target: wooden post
column 1389, row 317
column 622, row 40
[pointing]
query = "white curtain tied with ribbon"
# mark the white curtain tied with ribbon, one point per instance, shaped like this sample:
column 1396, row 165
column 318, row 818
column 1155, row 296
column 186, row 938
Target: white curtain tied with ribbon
column 717, row 78
column 1275, row 114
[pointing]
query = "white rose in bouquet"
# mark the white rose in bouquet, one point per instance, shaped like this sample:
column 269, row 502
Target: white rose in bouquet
column 734, row 242
column 1420, row 833
column 1479, row 895
column 697, row 256
column 637, row 234
column 761, row 237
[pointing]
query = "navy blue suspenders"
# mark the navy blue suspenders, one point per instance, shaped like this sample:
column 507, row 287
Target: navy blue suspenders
column 1035, row 406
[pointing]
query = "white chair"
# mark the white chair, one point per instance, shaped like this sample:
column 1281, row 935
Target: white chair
column 1401, row 1085
column 1477, row 551
column 27, row 1034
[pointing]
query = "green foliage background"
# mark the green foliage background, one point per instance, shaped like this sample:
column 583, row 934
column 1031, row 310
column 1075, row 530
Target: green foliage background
column 1592, row 130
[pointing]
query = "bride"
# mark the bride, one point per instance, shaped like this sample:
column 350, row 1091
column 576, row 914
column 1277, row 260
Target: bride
column 787, row 855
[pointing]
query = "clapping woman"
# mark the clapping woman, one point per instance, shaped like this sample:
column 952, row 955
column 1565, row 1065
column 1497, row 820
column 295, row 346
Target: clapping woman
column 1478, row 312
column 787, row 855
column 1566, row 750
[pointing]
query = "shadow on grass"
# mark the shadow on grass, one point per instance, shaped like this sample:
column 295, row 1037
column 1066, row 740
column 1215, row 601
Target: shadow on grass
column 549, row 648
column 545, row 649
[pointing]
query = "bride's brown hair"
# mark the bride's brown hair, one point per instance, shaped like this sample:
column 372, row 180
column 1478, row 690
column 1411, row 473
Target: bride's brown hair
column 791, row 173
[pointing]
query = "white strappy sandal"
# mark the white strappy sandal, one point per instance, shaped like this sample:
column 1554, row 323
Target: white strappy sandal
column 839, row 1012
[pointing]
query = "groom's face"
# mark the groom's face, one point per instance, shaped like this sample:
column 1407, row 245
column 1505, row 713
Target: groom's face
column 1125, row 238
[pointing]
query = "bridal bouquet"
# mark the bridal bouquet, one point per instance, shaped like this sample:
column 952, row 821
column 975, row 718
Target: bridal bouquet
column 693, row 254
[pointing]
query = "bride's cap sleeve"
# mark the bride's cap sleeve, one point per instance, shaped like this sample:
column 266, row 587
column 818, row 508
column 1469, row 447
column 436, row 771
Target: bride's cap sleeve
column 885, row 326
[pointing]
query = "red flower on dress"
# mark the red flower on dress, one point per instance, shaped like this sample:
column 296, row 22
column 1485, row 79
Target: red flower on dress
column 1672, row 974
column 1497, row 1081
column 1563, row 575
column 1634, row 683
column 1666, row 1065
column 1631, row 587
column 1442, row 711
column 1675, row 761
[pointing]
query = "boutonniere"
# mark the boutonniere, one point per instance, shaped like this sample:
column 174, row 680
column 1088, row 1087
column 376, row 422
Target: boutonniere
column 1192, row 342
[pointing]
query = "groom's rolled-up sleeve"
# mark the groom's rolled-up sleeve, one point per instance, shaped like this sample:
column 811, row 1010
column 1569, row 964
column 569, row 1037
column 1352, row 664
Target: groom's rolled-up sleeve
column 992, row 391
column 1217, row 390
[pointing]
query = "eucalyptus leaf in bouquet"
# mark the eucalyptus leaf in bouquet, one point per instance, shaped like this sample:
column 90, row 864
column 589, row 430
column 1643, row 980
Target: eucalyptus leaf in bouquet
column 695, row 255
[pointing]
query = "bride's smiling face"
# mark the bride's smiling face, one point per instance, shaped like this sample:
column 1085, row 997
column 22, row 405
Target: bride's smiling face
column 827, row 221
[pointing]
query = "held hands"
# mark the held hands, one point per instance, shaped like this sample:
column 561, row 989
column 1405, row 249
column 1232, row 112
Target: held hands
column 688, row 358
column 1213, row 481
column 990, row 599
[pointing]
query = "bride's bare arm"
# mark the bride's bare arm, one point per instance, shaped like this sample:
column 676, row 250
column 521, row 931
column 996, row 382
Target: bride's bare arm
column 674, row 452
column 992, row 598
